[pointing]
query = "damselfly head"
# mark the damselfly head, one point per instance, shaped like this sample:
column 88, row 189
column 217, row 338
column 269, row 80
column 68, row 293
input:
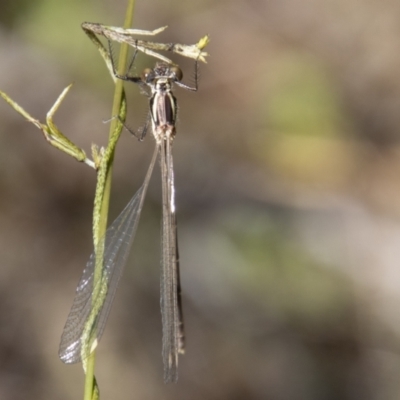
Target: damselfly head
column 162, row 70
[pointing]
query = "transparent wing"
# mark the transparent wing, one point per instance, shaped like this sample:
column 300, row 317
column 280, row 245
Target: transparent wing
column 87, row 318
column 171, row 310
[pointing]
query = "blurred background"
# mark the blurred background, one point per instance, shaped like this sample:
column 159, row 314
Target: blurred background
column 287, row 165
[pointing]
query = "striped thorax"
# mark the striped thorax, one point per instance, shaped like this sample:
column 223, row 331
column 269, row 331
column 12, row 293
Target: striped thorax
column 163, row 104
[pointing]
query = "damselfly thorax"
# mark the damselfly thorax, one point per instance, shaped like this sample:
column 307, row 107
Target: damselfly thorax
column 163, row 104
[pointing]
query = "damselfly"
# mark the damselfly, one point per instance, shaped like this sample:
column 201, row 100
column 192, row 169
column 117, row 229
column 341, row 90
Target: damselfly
column 92, row 303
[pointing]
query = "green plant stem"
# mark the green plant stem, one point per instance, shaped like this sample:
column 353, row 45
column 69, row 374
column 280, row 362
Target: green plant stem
column 91, row 389
column 118, row 94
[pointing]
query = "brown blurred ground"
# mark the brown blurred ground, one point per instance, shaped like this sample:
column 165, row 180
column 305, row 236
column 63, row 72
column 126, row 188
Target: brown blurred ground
column 288, row 185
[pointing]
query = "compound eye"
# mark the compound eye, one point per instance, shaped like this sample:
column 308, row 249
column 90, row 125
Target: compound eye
column 147, row 75
column 177, row 72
